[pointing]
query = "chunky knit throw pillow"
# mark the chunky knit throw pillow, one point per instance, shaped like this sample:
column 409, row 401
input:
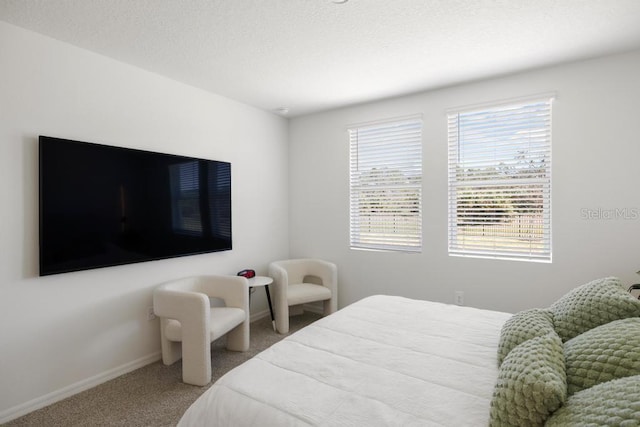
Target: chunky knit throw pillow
column 593, row 304
column 602, row 354
column 531, row 383
column 521, row 327
column 614, row 403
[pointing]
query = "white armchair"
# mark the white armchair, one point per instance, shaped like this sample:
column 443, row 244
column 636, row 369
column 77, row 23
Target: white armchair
column 290, row 287
column 188, row 323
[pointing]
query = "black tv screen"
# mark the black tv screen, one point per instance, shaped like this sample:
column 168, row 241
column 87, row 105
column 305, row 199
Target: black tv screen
column 103, row 206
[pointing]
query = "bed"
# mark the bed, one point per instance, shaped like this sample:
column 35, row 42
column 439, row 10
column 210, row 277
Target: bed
column 384, row 360
column 393, row 361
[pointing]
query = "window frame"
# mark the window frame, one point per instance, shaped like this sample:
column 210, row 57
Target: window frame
column 508, row 127
column 381, row 155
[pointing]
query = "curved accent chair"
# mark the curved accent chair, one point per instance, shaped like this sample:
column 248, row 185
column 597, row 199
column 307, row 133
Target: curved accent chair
column 188, row 323
column 293, row 286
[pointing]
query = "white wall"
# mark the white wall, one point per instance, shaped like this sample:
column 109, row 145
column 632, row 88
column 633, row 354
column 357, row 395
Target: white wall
column 596, row 151
column 61, row 333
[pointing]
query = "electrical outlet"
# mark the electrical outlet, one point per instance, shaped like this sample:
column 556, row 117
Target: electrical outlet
column 150, row 314
column 459, row 298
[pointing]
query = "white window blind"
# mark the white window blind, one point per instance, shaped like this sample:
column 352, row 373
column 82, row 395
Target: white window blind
column 185, row 197
column 386, row 186
column 195, row 180
column 500, row 181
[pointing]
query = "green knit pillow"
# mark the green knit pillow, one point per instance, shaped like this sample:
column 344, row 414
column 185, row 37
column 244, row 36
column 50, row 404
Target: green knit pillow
column 614, row 403
column 602, row 354
column 531, row 383
column 521, row 327
column 593, row 304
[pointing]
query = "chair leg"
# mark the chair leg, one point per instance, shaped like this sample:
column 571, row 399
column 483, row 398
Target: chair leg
column 281, row 307
column 238, row 337
column 282, row 320
column 171, row 350
column 329, row 306
column 196, row 362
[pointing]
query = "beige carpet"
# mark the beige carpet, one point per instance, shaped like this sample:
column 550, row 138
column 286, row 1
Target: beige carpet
column 153, row 395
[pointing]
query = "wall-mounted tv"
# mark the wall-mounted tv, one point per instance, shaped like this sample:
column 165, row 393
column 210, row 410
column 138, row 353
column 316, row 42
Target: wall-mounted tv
column 103, row 206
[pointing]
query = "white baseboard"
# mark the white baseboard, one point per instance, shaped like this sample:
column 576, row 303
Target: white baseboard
column 259, row 315
column 70, row 390
column 80, row 386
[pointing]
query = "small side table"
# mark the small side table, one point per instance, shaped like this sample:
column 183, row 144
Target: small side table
column 263, row 281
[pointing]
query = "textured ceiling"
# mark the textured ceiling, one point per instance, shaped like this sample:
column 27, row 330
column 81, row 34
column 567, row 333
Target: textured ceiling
column 312, row 55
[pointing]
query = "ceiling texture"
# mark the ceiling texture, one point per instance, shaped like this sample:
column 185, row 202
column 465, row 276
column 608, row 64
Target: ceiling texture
column 312, row 55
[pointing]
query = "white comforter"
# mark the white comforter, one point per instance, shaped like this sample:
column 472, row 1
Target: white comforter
column 383, row 361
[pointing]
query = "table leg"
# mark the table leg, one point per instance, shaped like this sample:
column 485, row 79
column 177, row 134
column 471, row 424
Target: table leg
column 273, row 320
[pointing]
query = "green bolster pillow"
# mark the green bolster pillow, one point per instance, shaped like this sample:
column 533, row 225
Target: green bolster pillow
column 521, row 327
column 592, row 304
column 614, row 403
column 603, row 354
column 531, row 383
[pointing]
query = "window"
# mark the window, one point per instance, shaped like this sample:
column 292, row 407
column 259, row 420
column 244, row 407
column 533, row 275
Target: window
column 199, row 191
column 386, row 186
column 500, row 181
column 185, row 197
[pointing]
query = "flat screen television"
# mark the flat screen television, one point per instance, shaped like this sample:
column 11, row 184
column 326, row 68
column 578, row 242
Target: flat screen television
column 103, row 206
